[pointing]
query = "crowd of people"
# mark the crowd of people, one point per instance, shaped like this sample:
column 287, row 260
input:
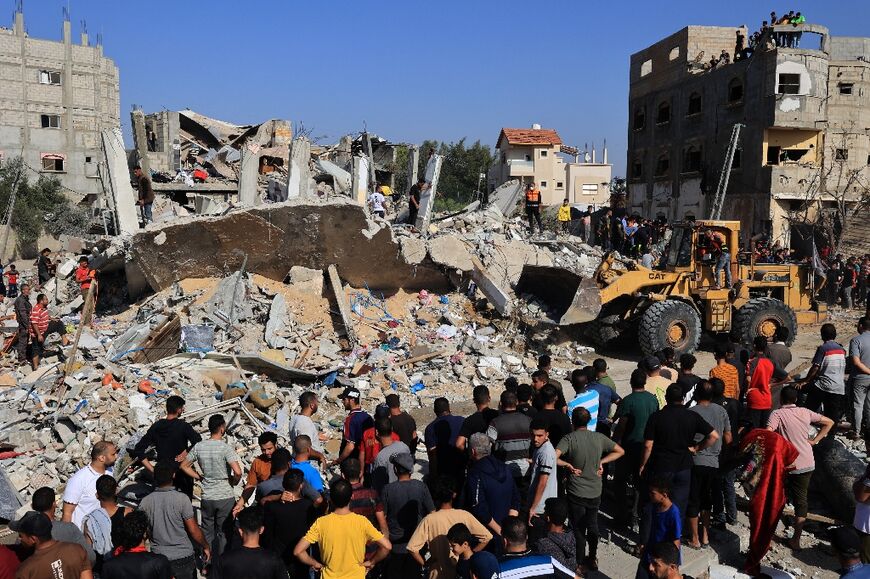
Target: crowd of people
column 508, row 492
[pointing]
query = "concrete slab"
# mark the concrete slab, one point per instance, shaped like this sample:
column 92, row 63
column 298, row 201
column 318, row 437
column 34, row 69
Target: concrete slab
column 123, row 198
column 277, row 319
column 341, row 179
column 451, row 252
column 249, row 169
column 277, row 237
column 500, row 299
column 506, row 197
column 427, row 197
column 306, row 280
column 413, row 249
column 298, row 172
column 360, row 187
column 343, row 305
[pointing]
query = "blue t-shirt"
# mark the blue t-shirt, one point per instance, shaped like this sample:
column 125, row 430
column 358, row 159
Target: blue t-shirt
column 588, row 399
column 312, row 477
column 606, row 397
column 666, row 526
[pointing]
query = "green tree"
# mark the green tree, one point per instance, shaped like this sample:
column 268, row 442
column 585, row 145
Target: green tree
column 40, row 206
column 460, row 171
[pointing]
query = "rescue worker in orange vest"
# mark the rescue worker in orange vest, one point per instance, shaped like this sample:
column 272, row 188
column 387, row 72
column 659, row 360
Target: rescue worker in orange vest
column 721, row 256
column 533, row 208
column 85, row 275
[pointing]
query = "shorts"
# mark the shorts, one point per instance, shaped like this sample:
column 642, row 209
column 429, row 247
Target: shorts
column 797, row 488
column 701, row 490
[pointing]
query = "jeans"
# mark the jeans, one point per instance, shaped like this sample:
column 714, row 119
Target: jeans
column 628, row 482
column 860, row 404
column 21, row 346
column 146, row 213
column 184, row 568
column 584, row 518
column 725, row 497
column 724, row 262
column 214, row 517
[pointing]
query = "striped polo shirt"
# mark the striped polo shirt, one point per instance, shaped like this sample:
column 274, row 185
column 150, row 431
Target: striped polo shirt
column 831, row 359
column 39, row 318
column 588, row 399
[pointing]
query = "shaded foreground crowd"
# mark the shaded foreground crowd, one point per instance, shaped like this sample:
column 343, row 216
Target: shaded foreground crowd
column 509, row 493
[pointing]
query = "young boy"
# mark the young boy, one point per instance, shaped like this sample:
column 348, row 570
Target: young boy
column 559, row 544
column 564, row 216
column 461, row 540
column 12, row 285
column 666, row 523
column 543, row 484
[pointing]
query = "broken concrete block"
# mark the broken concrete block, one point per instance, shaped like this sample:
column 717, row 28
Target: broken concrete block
column 413, row 249
column 495, row 294
column 230, row 303
column 451, row 252
column 122, row 196
column 298, row 172
column 307, row 280
column 343, row 305
column 277, row 321
column 427, row 197
column 65, row 431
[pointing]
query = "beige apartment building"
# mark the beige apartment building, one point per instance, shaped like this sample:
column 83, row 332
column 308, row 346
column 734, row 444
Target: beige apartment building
column 538, row 156
column 805, row 141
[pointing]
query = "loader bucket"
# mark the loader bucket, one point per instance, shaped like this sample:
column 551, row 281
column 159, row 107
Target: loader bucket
column 575, row 299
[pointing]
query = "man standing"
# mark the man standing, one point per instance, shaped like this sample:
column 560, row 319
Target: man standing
column 173, row 525
column 859, row 355
column 519, row 561
column 403, row 423
column 543, row 484
column 533, row 208
column 355, row 423
column 376, row 203
column 726, row 372
column 213, row 457
column 557, row 423
column 414, row 199
column 251, row 561
column 44, row 266
column 585, row 396
column 604, row 234
column 261, row 468
column 706, row 465
column 833, row 279
column 762, row 375
column 664, row 561
column 44, row 501
column 406, row 502
column 85, row 275
column 541, row 378
column 479, row 421
column 146, row 195
column 432, row 531
column 656, row 383
column 80, row 495
column 632, row 416
column 793, row 423
column 490, row 491
column 131, row 559
column 287, row 520
column 670, row 442
column 827, row 377
column 41, row 325
column 607, row 397
column 50, row 559
column 303, row 423
column 509, row 432
column 383, row 472
column 440, row 437
column 172, row 437
column 23, row 308
column 687, row 378
column 584, row 453
column 777, row 350
column 342, row 537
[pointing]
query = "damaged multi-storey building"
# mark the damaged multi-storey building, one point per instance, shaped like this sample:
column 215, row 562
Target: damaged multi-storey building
column 56, row 97
column 804, row 108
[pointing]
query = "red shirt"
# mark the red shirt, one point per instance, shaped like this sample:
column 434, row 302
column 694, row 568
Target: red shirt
column 13, row 277
column 8, row 563
column 84, row 275
column 372, row 446
column 39, row 319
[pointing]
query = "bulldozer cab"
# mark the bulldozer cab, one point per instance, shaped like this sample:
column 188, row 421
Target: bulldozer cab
column 694, row 244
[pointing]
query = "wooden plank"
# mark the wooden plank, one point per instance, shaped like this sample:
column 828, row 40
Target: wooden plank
column 422, row 357
column 87, row 312
column 160, row 343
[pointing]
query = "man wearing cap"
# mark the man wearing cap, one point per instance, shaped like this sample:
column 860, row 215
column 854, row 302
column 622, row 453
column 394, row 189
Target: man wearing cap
column 847, row 544
column 50, row 558
column 355, row 424
column 656, row 384
column 403, row 423
column 669, row 445
column 406, row 502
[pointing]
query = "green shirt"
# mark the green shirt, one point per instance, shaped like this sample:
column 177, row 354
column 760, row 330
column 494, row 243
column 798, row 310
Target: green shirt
column 607, row 381
column 583, row 449
column 638, row 407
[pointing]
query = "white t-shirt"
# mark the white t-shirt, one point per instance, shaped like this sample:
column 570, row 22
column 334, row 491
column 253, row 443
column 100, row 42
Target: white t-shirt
column 544, row 462
column 377, row 201
column 862, row 513
column 81, row 490
column 301, row 424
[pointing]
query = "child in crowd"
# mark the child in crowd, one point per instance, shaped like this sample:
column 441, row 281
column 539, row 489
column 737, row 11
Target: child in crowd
column 12, row 284
column 666, row 523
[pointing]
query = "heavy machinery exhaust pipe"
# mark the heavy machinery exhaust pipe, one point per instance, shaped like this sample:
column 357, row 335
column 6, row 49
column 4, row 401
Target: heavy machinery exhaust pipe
column 574, row 299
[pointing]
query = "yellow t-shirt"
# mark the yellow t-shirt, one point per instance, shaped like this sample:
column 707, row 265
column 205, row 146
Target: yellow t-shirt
column 564, row 213
column 342, row 540
column 385, row 190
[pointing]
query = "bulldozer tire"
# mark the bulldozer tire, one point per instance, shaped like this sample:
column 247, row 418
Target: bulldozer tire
column 762, row 317
column 603, row 331
column 669, row 323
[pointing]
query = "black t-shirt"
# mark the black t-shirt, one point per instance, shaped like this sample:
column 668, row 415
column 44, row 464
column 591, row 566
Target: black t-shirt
column 527, row 409
column 415, row 192
column 285, row 524
column 560, row 401
column 672, row 430
column 144, row 565
column 405, row 427
column 170, row 438
column 687, row 382
column 558, row 424
column 248, row 563
column 477, row 422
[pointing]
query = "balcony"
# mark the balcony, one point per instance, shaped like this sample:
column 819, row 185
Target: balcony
column 521, row 168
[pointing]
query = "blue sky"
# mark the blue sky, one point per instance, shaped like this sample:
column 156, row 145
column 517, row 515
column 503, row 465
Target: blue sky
column 409, row 70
